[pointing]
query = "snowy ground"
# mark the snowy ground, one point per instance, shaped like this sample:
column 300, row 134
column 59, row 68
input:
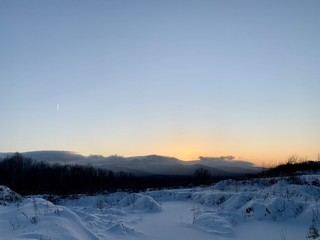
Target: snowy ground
column 283, row 208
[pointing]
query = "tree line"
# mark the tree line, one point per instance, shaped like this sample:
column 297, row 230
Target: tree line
column 27, row 176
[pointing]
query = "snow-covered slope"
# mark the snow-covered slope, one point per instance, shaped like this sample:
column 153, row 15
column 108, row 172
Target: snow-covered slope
column 270, row 208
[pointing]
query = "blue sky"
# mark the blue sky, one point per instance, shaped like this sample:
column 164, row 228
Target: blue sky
column 177, row 78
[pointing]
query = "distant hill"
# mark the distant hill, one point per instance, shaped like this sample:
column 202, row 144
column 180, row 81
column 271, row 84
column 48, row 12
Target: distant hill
column 147, row 165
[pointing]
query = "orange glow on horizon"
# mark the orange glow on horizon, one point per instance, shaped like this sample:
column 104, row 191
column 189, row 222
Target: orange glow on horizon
column 265, row 155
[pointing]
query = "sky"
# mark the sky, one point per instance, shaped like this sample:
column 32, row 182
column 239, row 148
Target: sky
column 175, row 78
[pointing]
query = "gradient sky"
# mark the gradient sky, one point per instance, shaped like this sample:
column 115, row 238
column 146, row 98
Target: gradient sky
column 175, row 78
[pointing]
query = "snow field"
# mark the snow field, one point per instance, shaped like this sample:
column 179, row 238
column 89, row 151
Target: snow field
column 277, row 208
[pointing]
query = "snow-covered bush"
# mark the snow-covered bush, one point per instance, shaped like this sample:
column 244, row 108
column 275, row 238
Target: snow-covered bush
column 8, row 196
column 139, row 202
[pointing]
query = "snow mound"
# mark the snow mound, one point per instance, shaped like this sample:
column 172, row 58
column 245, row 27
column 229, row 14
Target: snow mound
column 210, row 198
column 36, row 218
column 139, row 202
column 170, row 195
column 225, row 185
column 237, row 201
column 7, row 195
column 116, row 212
column 274, row 208
column 121, row 229
column 214, row 223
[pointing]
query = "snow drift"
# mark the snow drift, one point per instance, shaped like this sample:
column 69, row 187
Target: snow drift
column 139, row 202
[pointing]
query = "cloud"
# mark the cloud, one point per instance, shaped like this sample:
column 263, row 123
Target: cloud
column 225, row 161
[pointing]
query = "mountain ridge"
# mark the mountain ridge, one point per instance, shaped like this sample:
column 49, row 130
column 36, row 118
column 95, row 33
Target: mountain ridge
column 146, row 165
